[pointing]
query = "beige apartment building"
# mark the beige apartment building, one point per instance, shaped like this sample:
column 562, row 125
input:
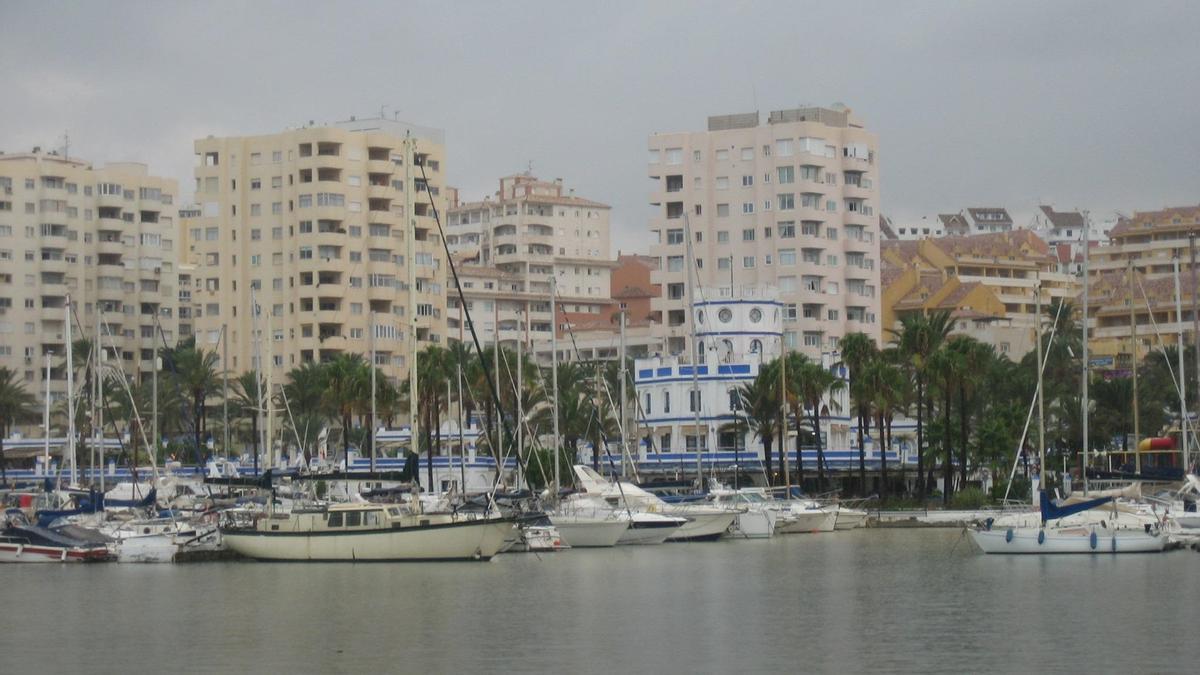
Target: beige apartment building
column 792, row 204
column 511, row 245
column 314, row 225
column 1151, row 240
column 104, row 237
column 988, row 282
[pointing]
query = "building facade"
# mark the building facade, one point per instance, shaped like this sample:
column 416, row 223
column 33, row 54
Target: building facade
column 791, row 204
column 512, row 246
column 988, row 282
column 313, row 226
column 104, row 239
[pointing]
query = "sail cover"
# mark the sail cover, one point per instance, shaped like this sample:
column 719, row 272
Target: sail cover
column 1052, row 511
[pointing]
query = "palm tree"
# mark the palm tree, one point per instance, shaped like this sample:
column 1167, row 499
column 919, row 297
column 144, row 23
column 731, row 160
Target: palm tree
column 886, row 385
column 16, row 405
column 918, row 338
column 247, row 405
column 347, row 378
column 760, row 402
column 811, row 382
column 858, row 349
column 433, row 372
column 195, row 373
column 977, row 359
column 946, row 366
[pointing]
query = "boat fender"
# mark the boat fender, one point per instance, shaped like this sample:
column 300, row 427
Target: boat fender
column 1114, row 543
column 1008, row 536
column 1093, row 540
column 1041, row 536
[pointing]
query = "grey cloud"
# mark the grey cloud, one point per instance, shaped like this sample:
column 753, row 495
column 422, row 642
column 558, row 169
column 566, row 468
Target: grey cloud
column 1083, row 104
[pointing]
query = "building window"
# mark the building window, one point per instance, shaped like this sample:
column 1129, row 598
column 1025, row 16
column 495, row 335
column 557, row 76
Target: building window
column 666, row 402
column 723, row 237
column 787, row 202
column 748, row 234
column 748, row 261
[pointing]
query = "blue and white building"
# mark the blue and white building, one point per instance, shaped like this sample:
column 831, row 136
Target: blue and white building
column 735, row 337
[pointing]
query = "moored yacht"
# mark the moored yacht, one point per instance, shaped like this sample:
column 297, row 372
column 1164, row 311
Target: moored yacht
column 704, row 522
column 368, row 532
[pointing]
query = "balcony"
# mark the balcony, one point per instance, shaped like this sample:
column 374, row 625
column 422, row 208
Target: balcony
column 110, row 246
column 54, row 265
column 53, row 313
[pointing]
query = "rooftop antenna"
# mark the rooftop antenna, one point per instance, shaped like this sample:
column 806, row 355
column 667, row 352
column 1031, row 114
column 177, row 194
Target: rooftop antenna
column 66, row 144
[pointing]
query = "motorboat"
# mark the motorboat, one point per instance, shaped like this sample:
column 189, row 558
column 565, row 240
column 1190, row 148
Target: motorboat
column 803, row 516
column 580, row 530
column 583, row 514
column 849, row 519
column 21, row 542
column 756, row 518
column 705, row 522
column 368, row 532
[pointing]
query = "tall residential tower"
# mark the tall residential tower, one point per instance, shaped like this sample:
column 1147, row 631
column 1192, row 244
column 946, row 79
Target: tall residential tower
column 790, row 204
column 312, row 225
column 103, row 237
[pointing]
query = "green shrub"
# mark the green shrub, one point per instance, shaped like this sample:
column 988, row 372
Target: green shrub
column 968, row 498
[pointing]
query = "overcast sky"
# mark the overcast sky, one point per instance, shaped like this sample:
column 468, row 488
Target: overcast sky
column 1079, row 104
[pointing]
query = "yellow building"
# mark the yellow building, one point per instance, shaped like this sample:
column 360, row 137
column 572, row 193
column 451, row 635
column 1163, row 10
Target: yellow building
column 986, row 281
column 103, row 237
column 312, row 225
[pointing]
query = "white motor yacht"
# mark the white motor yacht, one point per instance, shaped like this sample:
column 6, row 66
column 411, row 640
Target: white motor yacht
column 757, row 516
column 704, row 522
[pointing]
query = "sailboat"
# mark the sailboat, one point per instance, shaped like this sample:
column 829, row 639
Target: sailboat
column 1055, row 530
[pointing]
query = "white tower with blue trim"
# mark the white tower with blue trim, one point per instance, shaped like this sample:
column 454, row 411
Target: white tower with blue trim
column 734, row 337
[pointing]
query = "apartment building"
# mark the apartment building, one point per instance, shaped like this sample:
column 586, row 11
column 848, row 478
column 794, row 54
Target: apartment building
column 976, row 220
column 1150, row 240
column 791, row 203
column 104, row 238
column 914, row 230
column 314, row 226
column 511, row 246
column 988, row 282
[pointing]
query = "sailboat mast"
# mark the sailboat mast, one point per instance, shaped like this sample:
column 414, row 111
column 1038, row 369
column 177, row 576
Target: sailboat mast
column 499, row 407
column 410, row 234
column 98, row 420
column 225, row 388
column 621, row 410
column 697, row 350
column 46, row 419
column 1037, row 334
column 462, row 448
column 270, row 368
column 373, row 423
column 554, row 374
column 71, row 396
column 1133, row 351
column 783, row 451
column 1183, row 413
column 1195, row 313
column 1086, row 369
column 520, row 408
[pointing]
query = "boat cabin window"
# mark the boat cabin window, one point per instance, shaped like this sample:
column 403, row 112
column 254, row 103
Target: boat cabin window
column 335, row 519
column 373, row 518
column 395, row 511
column 353, row 518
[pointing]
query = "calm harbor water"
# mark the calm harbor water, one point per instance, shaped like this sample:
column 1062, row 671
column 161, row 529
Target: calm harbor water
column 867, row 600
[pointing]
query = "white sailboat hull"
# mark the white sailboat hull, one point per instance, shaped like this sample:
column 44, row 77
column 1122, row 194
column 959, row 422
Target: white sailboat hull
column 468, row 540
column 1066, row 540
column 580, row 532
